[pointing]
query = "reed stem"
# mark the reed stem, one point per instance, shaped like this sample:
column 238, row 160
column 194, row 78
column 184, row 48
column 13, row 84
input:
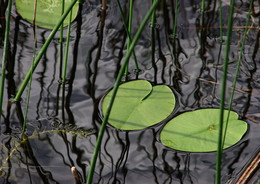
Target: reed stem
column 118, row 79
column 223, row 90
column 61, row 37
column 67, row 50
column 34, row 53
column 128, row 34
column 129, row 30
column 220, row 20
column 42, row 51
column 175, row 23
column 237, row 71
column 7, row 28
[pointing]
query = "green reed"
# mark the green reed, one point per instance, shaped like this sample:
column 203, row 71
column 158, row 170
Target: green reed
column 175, row 22
column 6, row 42
column 220, row 21
column 129, row 30
column 237, row 71
column 31, row 74
column 67, row 50
column 61, row 36
column 222, row 103
column 42, row 51
column 128, row 34
column 118, row 79
column 129, row 40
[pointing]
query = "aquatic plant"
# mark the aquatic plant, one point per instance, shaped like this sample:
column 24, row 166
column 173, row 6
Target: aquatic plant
column 113, row 95
column 152, row 104
column 197, row 131
column 6, row 44
column 46, row 10
column 139, row 105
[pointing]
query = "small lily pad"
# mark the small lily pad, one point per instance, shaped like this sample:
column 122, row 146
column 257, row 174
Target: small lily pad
column 139, row 105
column 197, row 131
column 48, row 12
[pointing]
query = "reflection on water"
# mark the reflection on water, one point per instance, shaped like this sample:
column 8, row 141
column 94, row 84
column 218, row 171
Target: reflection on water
column 63, row 121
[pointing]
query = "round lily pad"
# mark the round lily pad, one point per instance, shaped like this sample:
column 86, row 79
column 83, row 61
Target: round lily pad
column 48, row 12
column 197, row 131
column 139, row 105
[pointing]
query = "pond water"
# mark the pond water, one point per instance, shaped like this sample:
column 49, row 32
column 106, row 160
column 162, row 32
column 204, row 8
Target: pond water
column 63, row 122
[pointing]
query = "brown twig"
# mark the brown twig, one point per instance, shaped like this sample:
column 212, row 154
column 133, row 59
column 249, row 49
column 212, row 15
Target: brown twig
column 254, row 165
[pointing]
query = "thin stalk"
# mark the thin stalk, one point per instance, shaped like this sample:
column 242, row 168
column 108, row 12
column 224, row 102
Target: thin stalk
column 220, row 20
column 61, row 36
column 42, row 51
column 67, row 50
column 31, row 74
column 128, row 34
column 175, row 22
column 202, row 32
column 237, row 70
column 222, row 103
column 129, row 30
column 118, row 79
column 202, row 10
column 7, row 28
column 153, row 45
column 153, row 19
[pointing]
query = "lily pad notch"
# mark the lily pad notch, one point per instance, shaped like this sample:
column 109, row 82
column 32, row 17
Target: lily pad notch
column 139, row 105
column 197, row 131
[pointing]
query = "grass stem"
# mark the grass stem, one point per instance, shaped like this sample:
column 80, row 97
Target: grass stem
column 31, row 74
column 223, row 90
column 118, row 79
column 175, row 23
column 220, row 20
column 6, row 43
column 67, row 50
column 61, row 37
column 237, row 71
column 42, row 51
column 128, row 34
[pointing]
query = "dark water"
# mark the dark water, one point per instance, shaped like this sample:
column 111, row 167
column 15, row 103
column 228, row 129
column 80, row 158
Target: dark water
column 62, row 127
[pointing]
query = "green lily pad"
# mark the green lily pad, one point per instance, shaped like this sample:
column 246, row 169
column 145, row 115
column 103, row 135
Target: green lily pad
column 48, row 12
column 197, row 131
column 139, row 105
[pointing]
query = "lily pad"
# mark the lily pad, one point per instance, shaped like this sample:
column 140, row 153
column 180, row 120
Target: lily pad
column 197, row 131
column 48, row 12
column 139, row 105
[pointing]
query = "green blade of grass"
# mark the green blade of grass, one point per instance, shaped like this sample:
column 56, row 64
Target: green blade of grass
column 128, row 34
column 220, row 20
column 175, row 22
column 7, row 28
column 42, row 51
column 61, row 37
column 237, row 70
column 129, row 30
column 118, row 79
column 67, row 50
column 223, row 90
column 34, row 51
